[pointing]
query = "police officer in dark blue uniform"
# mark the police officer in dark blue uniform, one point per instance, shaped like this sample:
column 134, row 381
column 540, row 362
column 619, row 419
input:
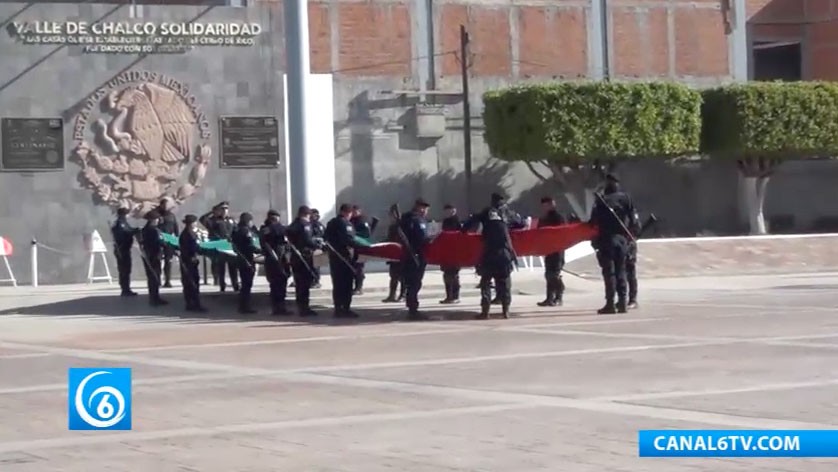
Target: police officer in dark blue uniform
column 414, row 227
column 272, row 240
column 152, row 249
column 496, row 262
column 553, row 263
column 168, row 224
column 631, row 263
column 300, row 235
column 613, row 215
column 362, row 230
column 220, row 226
column 317, row 232
column 242, row 240
column 189, row 276
column 451, row 275
column 123, row 238
column 340, row 239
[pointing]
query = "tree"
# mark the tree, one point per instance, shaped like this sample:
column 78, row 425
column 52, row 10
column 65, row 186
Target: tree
column 579, row 131
column 759, row 125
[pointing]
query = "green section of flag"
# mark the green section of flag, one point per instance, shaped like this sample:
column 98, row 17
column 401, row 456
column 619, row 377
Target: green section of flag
column 362, row 242
column 220, row 245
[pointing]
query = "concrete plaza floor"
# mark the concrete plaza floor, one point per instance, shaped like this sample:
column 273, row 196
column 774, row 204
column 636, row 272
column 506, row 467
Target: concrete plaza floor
column 549, row 390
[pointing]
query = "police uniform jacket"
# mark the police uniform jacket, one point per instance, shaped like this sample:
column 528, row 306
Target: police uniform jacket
column 301, row 234
column 242, row 240
column 340, row 233
column 152, row 245
column 451, row 223
column 123, row 235
column 415, row 229
column 610, row 226
column 362, row 227
column 218, row 227
column 168, row 222
column 189, row 247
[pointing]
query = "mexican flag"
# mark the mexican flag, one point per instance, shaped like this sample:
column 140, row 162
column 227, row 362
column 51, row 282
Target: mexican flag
column 220, row 247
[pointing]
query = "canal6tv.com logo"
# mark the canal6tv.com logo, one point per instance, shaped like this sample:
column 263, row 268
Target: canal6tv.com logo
column 99, row 398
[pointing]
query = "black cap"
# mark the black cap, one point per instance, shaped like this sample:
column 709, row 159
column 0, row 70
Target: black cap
column 189, row 219
column 152, row 215
column 273, row 213
column 448, row 206
column 420, row 202
column 344, row 208
column 223, row 205
column 547, row 199
column 123, row 211
column 496, row 197
column 315, row 211
column 612, row 178
column 245, row 217
column 303, row 210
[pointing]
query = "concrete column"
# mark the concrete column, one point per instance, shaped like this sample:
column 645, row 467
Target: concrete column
column 297, row 53
column 738, row 42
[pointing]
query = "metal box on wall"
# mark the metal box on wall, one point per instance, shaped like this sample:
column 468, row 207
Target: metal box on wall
column 429, row 121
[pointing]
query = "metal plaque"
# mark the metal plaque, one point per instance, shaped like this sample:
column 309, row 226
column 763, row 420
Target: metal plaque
column 32, row 144
column 250, row 141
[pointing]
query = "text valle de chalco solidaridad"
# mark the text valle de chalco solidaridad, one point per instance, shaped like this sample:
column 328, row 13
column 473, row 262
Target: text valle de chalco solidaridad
column 80, row 32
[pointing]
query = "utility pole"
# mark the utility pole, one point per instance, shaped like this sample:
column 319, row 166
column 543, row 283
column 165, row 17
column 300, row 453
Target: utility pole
column 464, row 54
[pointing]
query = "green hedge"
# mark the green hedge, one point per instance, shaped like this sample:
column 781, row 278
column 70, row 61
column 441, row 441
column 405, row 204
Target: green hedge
column 775, row 120
column 579, row 122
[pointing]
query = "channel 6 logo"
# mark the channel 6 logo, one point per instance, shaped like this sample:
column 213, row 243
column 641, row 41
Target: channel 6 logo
column 99, row 398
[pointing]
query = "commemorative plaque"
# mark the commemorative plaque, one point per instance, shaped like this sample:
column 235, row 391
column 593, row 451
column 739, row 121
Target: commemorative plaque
column 32, row 144
column 249, row 141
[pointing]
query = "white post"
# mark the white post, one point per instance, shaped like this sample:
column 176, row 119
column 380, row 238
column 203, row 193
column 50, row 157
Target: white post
column 297, row 54
column 34, row 253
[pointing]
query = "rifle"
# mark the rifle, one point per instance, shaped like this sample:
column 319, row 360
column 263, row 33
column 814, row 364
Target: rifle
column 650, row 221
column 339, row 256
column 144, row 257
column 302, row 259
column 396, row 213
column 510, row 246
column 611, row 211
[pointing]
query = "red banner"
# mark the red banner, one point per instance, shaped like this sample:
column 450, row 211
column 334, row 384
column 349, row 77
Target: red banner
column 452, row 248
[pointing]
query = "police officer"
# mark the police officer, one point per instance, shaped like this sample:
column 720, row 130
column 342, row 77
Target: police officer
column 152, row 249
column 414, row 231
column 189, row 276
column 362, row 230
column 300, row 236
column 317, row 231
column 613, row 215
column 220, row 226
column 395, row 267
column 451, row 274
column 496, row 262
column 340, row 242
column 123, row 238
column 242, row 241
column 553, row 263
column 274, row 247
column 168, row 224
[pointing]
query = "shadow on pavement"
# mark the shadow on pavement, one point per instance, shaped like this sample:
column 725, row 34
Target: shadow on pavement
column 222, row 308
column 808, row 287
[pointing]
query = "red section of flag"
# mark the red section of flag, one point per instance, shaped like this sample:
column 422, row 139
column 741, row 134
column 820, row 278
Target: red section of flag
column 6, row 248
column 463, row 250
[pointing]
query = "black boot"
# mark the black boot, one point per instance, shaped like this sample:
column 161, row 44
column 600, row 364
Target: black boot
column 484, row 312
column 305, row 311
column 505, row 311
column 621, row 306
column 279, row 310
column 632, row 304
column 608, row 309
column 550, row 299
column 246, row 309
column 391, row 297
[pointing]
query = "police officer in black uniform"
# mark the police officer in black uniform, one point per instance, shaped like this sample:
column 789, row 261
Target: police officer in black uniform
column 362, row 230
column 300, row 235
column 496, row 262
column 242, row 241
column 340, row 239
column 152, row 249
column 168, row 224
column 613, row 215
column 123, row 238
column 274, row 247
column 317, row 232
column 189, row 276
column 414, row 229
column 553, row 263
column 395, row 267
column 451, row 275
column 220, row 226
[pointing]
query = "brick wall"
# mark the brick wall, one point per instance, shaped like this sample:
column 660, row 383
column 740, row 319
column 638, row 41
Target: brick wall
column 649, row 38
column 812, row 22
